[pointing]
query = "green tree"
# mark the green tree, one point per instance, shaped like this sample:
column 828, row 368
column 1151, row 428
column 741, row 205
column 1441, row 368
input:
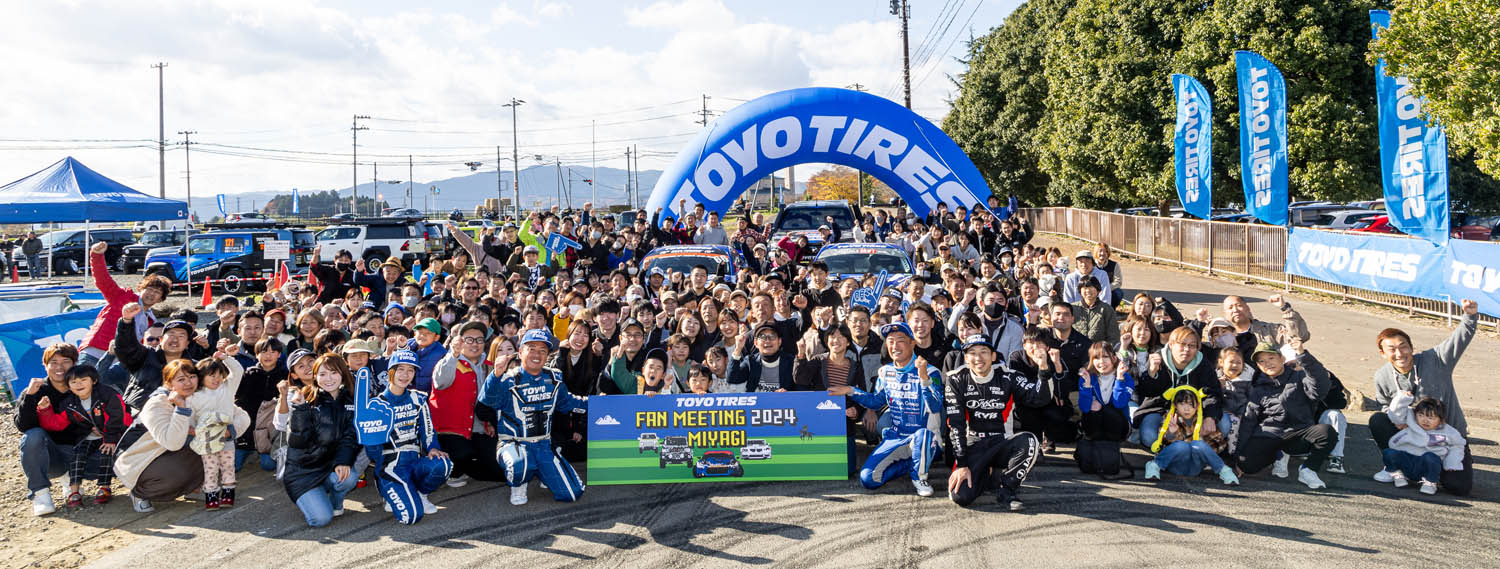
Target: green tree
column 1451, row 51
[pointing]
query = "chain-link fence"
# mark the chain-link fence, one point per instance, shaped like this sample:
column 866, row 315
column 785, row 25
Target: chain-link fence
column 1247, row 251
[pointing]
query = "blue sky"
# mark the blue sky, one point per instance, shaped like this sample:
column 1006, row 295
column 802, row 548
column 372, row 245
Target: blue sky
column 271, row 87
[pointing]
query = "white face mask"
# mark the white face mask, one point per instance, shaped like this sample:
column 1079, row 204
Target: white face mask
column 449, row 318
column 596, row 235
column 1047, row 281
column 1224, row 341
column 634, row 270
column 410, row 301
column 574, row 309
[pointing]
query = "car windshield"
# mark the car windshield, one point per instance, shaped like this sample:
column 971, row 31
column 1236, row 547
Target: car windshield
column 684, row 263
column 302, row 239
column 677, row 441
column 55, row 237
column 805, row 218
column 157, row 238
column 755, row 442
column 863, row 261
column 200, row 245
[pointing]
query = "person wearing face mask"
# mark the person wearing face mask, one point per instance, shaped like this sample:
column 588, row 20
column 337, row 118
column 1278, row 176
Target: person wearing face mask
column 336, row 281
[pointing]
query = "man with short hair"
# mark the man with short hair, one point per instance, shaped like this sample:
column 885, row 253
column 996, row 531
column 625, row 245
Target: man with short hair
column 31, row 248
column 988, row 454
column 1250, row 332
column 336, row 281
column 907, row 386
column 1083, row 266
column 711, row 233
column 1425, row 374
column 521, row 403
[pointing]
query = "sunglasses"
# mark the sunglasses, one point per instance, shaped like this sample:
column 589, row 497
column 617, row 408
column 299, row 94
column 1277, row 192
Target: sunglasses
column 152, row 339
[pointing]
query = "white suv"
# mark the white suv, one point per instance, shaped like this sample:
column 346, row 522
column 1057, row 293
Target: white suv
column 645, row 442
column 374, row 242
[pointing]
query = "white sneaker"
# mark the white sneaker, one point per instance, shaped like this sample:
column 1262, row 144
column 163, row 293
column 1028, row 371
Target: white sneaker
column 41, row 502
column 1278, row 468
column 542, row 483
column 338, row 512
column 459, row 482
column 141, row 506
column 1306, row 476
column 385, row 506
column 1429, row 488
column 923, row 488
column 518, row 495
column 1399, row 479
column 1153, row 470
column 1384, row 477
column 428, row 508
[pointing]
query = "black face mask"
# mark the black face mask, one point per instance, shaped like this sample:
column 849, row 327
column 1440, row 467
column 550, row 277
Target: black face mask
column 343, row 266
column 994, row 311
column 1161, row 326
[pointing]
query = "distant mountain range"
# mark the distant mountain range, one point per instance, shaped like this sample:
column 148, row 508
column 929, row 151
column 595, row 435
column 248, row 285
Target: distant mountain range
column 539, row 188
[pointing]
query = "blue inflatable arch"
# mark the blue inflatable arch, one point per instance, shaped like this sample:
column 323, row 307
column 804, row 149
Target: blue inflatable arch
column 820, row 124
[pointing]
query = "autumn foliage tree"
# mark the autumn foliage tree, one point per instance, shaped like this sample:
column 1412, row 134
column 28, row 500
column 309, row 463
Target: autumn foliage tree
column 842, row 183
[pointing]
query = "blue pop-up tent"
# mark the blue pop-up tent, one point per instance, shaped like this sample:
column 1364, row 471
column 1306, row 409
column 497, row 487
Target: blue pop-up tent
column 69, row 192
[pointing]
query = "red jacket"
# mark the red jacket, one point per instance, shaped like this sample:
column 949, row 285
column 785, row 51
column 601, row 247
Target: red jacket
column 107, row 413
column 102, row 332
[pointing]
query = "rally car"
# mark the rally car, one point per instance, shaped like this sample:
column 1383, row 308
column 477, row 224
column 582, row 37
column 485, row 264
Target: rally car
column 855, row 260
column 718, row 463
column 755, row 449
column 805, row 217
column 720, row 260
column 675, row 450
column 645, row 442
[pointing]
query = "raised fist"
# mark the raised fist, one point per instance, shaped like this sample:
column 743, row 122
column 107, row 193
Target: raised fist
column 1471, row 308
column 1276, row 301
column 99, row 248
column 130, row 310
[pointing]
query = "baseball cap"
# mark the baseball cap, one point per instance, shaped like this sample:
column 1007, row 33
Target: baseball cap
column 397, row 307
column 431, row 325
column 537, row 335
column 407, row 357
column 366, row 346
column 296, row 356
column 657, row 354
column 1218, row 323
column 530, row 249
column 764, row 327
column 888, row 329
column 183, row 325
column 1084, row 253
column 632, row 322
column 471, row 325
column 824, row 227
column 976, row 340
column 1265, row 347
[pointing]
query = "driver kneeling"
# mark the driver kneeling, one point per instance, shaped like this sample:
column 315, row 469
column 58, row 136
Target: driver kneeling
column 524, row 400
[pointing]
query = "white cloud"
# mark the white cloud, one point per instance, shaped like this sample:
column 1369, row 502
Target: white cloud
column 829, row 405
column 688, row 14
column 503, row 15
column 552, row 10
column 607, row 421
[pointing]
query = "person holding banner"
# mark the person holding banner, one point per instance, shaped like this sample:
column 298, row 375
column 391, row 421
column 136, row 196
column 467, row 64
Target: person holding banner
column 988, row 454
column 907, row 387
column 409, row 464
column 521, row 404
column 1425, row 374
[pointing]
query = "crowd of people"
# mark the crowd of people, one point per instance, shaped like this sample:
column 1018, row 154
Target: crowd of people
column 994, row 352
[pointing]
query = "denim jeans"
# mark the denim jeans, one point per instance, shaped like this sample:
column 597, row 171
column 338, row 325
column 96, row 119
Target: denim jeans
column 42, row 459
column 1426, row 467
column 1150, row 429
column 34, row 266
column 1187, row 458
column 267, row 463
column 318, row 504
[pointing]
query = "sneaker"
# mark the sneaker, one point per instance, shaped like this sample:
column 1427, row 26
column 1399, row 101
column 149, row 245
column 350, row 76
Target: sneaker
column 1048, row 447
column 1335, row 465
column 1399, row 480
column 211, row 500
column 1306, row 476
column 75, row 500
column 1227, row 475
column 1384, row 477
column 1429, row 488
column 1153, row 472
column 226, row 498
column 1008, row 501
column 428, row 508
column 459, row 482
column 1278, row 468
column 339, row 512
column 518, row 495
column 361, row 483
column 542, row 483
column 41, row 502
column 385, row 506
column 102, row 496
column 141, row 506
column 923, row 488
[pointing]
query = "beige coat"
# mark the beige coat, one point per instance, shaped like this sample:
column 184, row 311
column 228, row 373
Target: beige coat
column 167, row 430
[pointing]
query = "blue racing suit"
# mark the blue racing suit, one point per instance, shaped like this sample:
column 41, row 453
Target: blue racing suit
column 908, row 445
column 524, row 405
column 403, row 470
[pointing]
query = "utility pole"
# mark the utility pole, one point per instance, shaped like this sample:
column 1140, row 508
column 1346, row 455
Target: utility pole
column 188, row 161
column 635, row 154
column 409, row 180
column 629, row 195
column 499, row 187
column 354, row 164
column 161, row 126
column 901, row 8
column 515, row 153
column 594, row 164
column 374, row 190
column 704, row 112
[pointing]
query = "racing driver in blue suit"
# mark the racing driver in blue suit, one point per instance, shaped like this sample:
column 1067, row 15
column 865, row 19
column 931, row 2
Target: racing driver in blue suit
column 525, row 400
column 906, row 386
column 409, row 465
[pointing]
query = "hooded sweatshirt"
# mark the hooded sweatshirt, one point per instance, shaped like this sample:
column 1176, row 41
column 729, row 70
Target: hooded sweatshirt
column 1445, row 441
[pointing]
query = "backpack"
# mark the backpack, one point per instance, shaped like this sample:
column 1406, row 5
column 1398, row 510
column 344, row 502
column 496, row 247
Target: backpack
column 1102, row 458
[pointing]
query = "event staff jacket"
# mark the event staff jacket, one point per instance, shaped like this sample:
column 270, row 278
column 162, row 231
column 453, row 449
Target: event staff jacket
column 320, row 436
column 1275, row 406
column 979, row 407
column 524, row 404
column 900, row 388
column 411, row 427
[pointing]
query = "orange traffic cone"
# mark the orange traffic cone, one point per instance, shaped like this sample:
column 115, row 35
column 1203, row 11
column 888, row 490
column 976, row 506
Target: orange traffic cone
column 15, row 274
column 208, row 293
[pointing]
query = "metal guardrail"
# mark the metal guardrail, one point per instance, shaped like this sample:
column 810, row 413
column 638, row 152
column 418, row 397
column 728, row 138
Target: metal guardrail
column 1247, row 251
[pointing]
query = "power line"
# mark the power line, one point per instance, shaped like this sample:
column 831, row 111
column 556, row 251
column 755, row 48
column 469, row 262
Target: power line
column 948, row 49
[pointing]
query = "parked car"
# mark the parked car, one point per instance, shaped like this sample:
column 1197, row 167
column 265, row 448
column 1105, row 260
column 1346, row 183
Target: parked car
column 718, row 463
column 401, row 212
column 720, row 260
column 1308, row 215
column 64, row 250
column 675, row 450
column 342, row 217
column 804, row 218
column 755, row 449
column 1237, row 218
column 645, row 442
column 232, row 254
column 1377, row 224
column 374, row 240
column 177, row 224
column 439, row 242
column 248, row 218
column 134, row 256
column 1342, row 219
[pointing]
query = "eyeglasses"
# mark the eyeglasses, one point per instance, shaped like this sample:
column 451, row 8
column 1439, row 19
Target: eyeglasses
column 473, row 340
column 635, row 335
column 768, row 337
column 152, row 339
column 471, row 288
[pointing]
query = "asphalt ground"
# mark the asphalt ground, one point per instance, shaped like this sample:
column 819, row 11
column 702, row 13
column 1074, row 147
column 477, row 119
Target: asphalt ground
column 1071, row 519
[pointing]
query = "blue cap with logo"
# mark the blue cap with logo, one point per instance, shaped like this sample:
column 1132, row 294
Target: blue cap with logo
column 537, row 335
column 407, row 357
column 885, row 331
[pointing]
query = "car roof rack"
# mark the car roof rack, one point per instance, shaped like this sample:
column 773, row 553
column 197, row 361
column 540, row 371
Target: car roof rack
column 257, row 225
column 380, row 220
